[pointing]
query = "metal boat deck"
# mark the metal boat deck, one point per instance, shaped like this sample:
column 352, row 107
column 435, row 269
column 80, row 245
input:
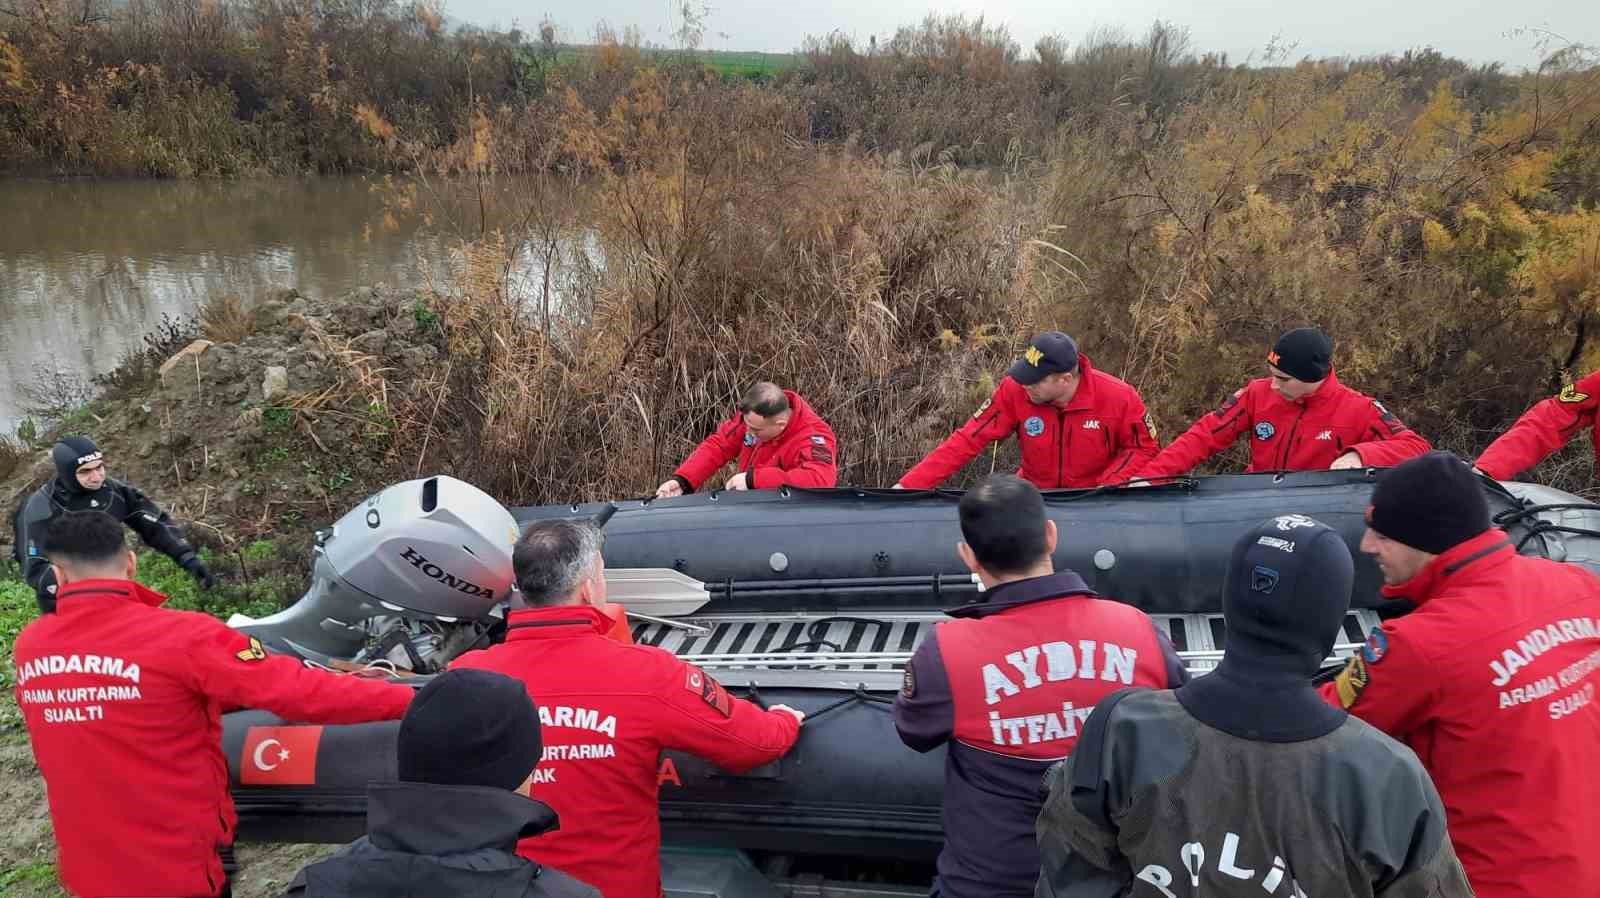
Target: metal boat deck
column 884, row 641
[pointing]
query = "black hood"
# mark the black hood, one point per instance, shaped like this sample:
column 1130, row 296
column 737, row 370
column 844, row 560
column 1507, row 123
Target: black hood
column 422, row 818
column 425, row 841
column 1284, row 600
column 70, row 454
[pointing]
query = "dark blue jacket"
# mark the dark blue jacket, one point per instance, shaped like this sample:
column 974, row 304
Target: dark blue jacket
column 1001, row 745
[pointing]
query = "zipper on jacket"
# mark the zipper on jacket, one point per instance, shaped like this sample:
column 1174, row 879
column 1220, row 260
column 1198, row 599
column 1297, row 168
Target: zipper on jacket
column 1288, row 445
column 1062, row 443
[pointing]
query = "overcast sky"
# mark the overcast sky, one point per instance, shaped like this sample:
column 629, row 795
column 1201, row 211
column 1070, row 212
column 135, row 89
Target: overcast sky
column 1477, row 30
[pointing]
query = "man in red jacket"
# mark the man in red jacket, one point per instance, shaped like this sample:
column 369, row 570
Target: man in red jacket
column 777, row 440
column 608, row 709
column 123, row 701
column 1078, row 427
column 1300, row 418
column 1543, row 429
column 1491, row 681
column 1009, row 682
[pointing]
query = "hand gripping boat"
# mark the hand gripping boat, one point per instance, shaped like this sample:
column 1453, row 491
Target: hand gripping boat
column 813, row 599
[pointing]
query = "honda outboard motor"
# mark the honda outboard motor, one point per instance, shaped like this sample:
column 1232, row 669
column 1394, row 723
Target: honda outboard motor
column 412, row 576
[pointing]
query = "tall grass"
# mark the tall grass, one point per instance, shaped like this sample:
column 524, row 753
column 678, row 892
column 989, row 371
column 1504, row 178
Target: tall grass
column 1175, row 236
column 882, row 227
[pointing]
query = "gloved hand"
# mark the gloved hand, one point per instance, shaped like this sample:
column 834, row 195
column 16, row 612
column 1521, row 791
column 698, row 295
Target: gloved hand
column 197, row 570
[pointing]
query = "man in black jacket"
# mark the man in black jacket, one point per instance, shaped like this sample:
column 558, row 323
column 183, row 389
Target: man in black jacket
column 467, row 748
column 81, row 484
column 1238, row 783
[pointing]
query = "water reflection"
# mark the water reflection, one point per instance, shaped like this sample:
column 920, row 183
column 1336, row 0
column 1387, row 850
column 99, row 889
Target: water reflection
column 87, row 268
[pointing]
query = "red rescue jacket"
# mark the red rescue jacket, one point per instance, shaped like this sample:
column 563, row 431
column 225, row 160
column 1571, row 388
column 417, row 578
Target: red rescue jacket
column 1007, row 685
column 1543, row 429
column 805, row 454
column 1492, row 682
column 123, row 701
column 608, row 710
column 1102, row 436
column 1294, row 436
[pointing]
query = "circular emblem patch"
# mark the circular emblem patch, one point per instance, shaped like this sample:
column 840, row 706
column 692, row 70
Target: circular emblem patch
column 1265, row 430
column 1377, row 646
column 749, row 438
column 1033, row 426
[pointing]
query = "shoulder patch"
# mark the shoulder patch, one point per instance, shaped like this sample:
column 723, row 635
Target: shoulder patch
column 908, row 683
column 709, row 690
column 985, row 407
column 1033, row 426
column 749, row 438
column 1150, row 426
column 1352, row 681
column 1265, row 430
column 252, row 652
column 818, row 439
column 1388, row 418
column 1570, row 394
column 1377, row 647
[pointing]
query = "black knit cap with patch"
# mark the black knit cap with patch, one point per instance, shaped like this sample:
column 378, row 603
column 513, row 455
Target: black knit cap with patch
column 1304, row 353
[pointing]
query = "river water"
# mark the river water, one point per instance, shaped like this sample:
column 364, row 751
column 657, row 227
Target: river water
column 87, row 268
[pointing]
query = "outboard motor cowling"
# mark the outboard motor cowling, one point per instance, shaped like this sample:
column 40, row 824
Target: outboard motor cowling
column 410, row 577
column 439, row 547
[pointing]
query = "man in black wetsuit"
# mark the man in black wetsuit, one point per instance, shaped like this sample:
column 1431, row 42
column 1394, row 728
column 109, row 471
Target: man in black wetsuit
column 81, row 484
column 1237, row 783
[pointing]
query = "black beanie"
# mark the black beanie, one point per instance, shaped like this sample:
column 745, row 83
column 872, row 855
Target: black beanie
column 70, row 454
column 470, row 728
column 1431, row 502
column 1304, row 353
column 1286, row 594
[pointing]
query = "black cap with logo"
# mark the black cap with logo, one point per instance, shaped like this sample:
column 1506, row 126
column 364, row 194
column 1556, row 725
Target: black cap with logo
column 1052, row 352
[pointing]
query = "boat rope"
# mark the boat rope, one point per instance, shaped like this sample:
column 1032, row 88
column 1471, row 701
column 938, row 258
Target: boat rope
column 1538, row 526
column 861, row 694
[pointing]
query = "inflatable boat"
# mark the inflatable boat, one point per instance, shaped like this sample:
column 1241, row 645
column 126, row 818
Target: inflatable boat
column 815, row 599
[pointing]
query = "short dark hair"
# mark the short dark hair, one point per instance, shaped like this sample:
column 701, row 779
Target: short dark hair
column 87, row 537
column 765, row 399
column 1002, row 521
column 553, row 557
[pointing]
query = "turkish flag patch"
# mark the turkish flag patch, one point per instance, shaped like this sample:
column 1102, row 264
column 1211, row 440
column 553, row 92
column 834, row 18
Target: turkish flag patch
column 280, row 756
column 710, row 691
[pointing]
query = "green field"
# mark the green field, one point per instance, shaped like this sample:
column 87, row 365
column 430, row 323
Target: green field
column 743, row 64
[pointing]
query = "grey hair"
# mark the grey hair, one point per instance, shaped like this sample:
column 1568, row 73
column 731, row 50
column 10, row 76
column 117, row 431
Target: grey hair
column 552, row 559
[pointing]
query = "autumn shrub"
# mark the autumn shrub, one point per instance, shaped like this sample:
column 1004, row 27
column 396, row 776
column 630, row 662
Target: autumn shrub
column 733, row 250
column 883, row 226
column 1432, row 242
